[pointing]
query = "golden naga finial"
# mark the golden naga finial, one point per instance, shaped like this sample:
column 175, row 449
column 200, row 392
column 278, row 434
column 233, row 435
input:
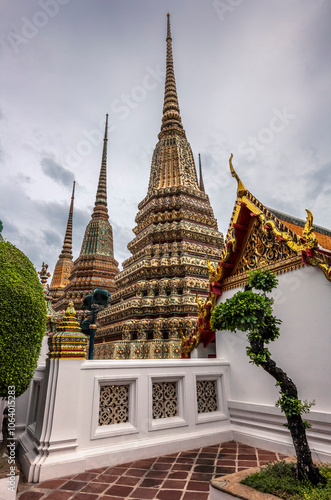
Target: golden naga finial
column 189, row 343
column 241, row 190
column 211, row 271
column 308, row 233
column 200, row 304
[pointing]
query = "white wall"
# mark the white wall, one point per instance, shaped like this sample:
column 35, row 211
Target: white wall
column 303, row 350
column 62, row 431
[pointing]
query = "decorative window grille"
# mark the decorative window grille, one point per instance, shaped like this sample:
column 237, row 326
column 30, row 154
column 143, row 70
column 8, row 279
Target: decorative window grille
column 206, row 396
column 164, row 400
column 114, row 404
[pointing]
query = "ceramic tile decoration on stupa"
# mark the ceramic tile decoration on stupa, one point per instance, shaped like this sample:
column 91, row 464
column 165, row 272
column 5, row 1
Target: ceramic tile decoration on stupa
column 176, row 230
column 260, row 237
column 95, row 266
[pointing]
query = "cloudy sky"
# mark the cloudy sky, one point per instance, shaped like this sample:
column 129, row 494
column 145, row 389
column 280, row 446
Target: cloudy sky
column 253, row 79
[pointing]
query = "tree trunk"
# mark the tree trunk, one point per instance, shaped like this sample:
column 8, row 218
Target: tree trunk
column 305, row 468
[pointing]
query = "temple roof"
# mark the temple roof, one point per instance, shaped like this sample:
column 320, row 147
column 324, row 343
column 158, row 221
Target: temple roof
column 259, row 236
column 297, row 225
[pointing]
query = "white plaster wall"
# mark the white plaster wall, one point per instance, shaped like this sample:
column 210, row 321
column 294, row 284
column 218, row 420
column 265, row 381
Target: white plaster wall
column 303, row 350
column 63, row 432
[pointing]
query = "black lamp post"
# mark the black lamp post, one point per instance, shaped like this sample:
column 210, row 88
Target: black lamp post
column 93, row 302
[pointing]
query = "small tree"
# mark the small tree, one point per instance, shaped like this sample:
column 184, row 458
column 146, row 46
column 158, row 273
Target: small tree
column 252, row 312
column 22, row 319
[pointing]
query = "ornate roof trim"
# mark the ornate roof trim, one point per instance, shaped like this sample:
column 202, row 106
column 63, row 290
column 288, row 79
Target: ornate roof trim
column 247, row 213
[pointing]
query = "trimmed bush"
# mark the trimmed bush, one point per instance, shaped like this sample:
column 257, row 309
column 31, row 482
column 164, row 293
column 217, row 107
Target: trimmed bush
column 22, row 319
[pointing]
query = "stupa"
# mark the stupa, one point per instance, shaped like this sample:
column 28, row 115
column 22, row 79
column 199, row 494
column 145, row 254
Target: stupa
column 176, row 230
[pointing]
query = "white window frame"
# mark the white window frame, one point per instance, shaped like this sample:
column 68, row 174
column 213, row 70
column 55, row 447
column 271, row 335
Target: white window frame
column 130, row 427
column 181, row 419
column 211, row 416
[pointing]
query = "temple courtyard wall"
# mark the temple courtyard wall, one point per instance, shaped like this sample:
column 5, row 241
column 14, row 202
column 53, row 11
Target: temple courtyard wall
column 83, row 414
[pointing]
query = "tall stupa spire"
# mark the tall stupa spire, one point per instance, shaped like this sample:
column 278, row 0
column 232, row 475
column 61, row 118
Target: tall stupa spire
column 67, row 243
column 100, row 206
column 95, row 266
column 201, row 184
column 171, row 120
column 64, row 264
column 176, row 229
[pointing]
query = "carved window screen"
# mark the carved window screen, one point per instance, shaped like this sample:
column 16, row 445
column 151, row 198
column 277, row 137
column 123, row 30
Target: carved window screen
column 207, row 396
column 165, row 400
column 114, row 404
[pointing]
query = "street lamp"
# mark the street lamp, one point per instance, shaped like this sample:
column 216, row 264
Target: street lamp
column 93, row 302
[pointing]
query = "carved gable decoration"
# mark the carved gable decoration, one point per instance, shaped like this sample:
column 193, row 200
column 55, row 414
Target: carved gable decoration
column 262, row 249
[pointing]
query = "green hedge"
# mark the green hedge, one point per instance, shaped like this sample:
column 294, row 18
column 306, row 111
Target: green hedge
column 22, row 319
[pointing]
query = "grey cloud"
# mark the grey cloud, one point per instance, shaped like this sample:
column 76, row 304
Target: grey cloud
column 319, row 181
column 56, row 172
column 122, row 236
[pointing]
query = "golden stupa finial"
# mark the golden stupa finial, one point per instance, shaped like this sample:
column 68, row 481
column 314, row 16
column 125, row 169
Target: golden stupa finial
column 241, row 190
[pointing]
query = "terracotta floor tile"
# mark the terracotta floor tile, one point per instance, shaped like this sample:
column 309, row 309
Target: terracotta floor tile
column 174, row 484
column 196, row 495
column 135, row 472
column 142, row 464
column 52, row 484
column 205, row 461
column 198, row 486
column 105, row 478
column 119, row 489
column 111, row 497
column 31, row 495
column 169, row 495
column 265, row 456
column 225, row 454
column 95, row 488
column 128, row 480
column 115, row 471
column 225, row 470
column 161, row 466
column 59, row 495
column 203, row 468
column 151, row 483
column 185, row 460
column 73, row 485
column 198, row 476
column 225, row 461
column 210, row 456
column 176, row 466
column 250, row 456
column 85, row 496
column 160, row 474
column 247, row 463
column 85, row 476
column 176, row 474
column 168, row 460
column 143, row 494
column 187, row 454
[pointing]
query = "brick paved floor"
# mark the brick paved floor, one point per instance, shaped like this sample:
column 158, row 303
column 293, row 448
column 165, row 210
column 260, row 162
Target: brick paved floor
column 179, row 476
